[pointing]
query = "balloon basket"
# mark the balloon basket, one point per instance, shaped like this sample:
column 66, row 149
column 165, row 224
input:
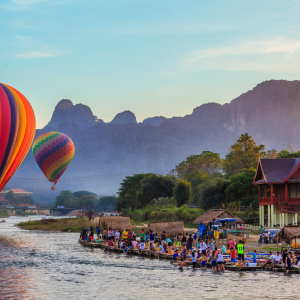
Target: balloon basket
column 53, row 188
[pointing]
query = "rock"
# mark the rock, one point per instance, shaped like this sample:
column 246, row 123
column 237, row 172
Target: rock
column 78, row 114
column 124, row 117
column 155, row 121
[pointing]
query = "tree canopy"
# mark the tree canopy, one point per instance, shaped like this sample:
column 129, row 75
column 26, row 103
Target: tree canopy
column 244, row 154
column 182, row 192
column 138, row 190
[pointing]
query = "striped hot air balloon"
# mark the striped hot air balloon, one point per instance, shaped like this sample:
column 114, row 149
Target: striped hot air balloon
column 17, row 129
column 53, row 151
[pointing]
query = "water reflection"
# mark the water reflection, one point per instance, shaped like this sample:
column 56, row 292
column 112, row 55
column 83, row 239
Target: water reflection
column 45, row 265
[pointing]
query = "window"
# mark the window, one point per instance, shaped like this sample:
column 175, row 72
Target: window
column 294, row 190
column 268, row 191
column 262, row 191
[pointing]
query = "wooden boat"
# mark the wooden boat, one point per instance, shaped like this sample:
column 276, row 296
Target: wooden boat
column 242, row 268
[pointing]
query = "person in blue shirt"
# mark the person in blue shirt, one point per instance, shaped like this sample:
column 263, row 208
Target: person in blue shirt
column 151, row 237
column 98, row 232
column 175, row 255
column 254, row 256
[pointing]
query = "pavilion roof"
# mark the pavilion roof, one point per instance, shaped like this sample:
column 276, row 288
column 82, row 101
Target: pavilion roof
column 277, row 170
column 213, row 215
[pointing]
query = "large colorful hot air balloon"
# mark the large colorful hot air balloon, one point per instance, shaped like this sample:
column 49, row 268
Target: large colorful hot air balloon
column 53, row 152
column 17, row 129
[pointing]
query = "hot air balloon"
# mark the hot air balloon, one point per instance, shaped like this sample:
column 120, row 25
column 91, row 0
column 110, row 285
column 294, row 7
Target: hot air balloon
column 53, row 151
column 17, row 129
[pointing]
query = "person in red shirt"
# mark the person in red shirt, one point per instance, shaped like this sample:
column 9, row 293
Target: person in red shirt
column 233, row 256
column 163, row 237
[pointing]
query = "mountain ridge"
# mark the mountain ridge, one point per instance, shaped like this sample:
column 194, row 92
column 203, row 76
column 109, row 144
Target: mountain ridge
column 268, row 112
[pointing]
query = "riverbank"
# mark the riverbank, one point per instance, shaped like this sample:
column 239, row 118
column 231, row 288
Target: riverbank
column 3, row 214
column 61, row 225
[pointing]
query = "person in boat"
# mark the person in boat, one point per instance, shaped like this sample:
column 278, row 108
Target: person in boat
column 117, row 235
column 175, row 255
column 183, row 255
column 125, row 234
column 240, row 251
column 105, row 235
column 151, row 237
column 203, row 261
column 270, row 260
column 288, row 263
column 183, row 242
column 231, row 244
column 162, row 250
column 98, row 232
column 181, row 264
column 233, row 256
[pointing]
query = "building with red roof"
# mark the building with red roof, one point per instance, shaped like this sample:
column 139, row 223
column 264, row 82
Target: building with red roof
column 3, row 203
column 279, row 190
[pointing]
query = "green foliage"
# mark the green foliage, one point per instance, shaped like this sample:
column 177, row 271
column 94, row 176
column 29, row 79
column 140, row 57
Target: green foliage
column 13, row 200
column 171, row 213
column 244, row 154
column 211, row 194
column 163, row 201
column 106, row 203
column 139, row 190
column 207, row 162
column 249, row 216
column 66, row 199
column 3, row 214
column 288, row 153
column 240, row 190
column 182, row 192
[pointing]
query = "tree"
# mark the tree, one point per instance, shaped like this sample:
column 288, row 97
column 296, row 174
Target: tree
column 182, row 192
column 138, row 190
column 11, row 197
column 269, row 154
column 211, row 194
column 288, row 153
column 88, row 202
column 66, row 199
column 207, row 162
column 241, row 190
column 26, row 199
column 244, row 154
column 107, row 203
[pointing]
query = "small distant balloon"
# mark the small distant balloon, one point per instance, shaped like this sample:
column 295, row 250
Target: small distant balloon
column 17, row 129
column 53, row 151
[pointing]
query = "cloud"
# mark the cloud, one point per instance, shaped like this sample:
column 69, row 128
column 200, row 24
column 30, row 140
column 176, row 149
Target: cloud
column 38, row 54
column 275, row 55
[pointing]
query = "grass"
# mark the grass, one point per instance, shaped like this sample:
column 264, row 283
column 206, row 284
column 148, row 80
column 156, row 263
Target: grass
column 3, row 214
column 63, row 225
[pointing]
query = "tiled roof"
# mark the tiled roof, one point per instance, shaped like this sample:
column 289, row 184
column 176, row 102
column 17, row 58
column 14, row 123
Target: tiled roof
column 277, row 170
column 3, row 200
column 16, row 191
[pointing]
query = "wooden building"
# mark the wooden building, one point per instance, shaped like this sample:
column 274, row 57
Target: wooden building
column 279, row 190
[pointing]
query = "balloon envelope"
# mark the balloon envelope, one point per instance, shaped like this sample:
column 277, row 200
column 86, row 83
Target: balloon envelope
column 17, row 129
column 53, row 151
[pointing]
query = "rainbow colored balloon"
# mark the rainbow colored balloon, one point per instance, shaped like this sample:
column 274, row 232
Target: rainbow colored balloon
column 17, row 129
column 53, row 151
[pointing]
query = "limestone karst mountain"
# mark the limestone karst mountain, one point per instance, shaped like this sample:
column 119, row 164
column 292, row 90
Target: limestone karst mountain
column 106, row 152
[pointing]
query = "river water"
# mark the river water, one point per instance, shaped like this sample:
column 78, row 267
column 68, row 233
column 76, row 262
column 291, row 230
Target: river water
column 46, row 265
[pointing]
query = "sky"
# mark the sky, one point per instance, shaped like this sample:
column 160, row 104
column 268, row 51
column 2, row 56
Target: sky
column 155, row 58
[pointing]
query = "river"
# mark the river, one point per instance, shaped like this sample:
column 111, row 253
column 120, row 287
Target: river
column 47, row 265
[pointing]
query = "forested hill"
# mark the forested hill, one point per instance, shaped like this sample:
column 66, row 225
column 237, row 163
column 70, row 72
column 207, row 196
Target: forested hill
column 269, row 113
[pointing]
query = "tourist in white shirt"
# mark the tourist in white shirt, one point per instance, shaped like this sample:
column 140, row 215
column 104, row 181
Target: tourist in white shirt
column 203, row 248
column 142, row 246
column 276, row 259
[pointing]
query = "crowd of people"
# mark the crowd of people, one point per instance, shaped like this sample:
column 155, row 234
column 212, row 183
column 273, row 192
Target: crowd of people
column 186, row 248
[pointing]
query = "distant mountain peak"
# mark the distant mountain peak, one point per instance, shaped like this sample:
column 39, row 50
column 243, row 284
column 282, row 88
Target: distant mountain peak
column 78, row 114
column 154, row 121
column 124, row 117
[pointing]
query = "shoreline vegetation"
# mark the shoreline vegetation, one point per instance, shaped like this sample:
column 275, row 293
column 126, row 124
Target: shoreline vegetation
column 3, row 214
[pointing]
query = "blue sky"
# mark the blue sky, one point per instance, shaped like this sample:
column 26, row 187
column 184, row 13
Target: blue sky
column 151, row 57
